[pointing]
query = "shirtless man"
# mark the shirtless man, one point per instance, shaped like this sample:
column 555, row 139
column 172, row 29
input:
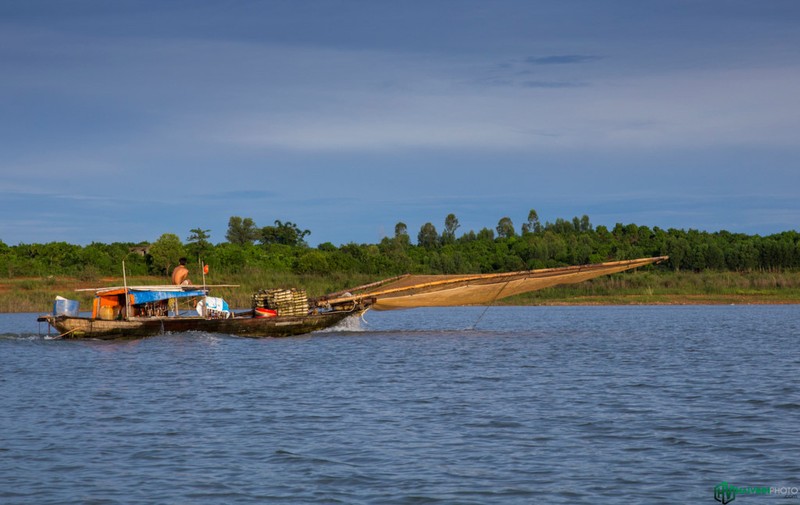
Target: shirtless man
column 180, row 276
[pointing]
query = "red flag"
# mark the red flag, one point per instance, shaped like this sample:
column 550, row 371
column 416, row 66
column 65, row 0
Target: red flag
column 205, row 269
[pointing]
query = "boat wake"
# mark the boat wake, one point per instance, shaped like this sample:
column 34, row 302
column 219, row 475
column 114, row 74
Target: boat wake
column 350, row 324
column 27, row 336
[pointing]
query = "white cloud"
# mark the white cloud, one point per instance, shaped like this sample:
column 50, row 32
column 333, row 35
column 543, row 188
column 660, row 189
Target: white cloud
column 691, row 109
column 187, row 91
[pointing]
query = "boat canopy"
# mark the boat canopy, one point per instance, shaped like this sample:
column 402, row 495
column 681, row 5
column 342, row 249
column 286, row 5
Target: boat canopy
column 110, row 302
column 141, row 295
column 155, row 296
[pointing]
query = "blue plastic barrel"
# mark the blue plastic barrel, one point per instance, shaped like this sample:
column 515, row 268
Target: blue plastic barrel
column 64, row 307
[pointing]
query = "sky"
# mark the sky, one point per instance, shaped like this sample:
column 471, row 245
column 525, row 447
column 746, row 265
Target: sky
column 121, row 121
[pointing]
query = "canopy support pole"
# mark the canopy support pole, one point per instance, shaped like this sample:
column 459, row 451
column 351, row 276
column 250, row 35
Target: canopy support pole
column 127, row 298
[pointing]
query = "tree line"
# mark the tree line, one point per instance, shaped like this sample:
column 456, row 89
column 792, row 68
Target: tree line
column 282, row 247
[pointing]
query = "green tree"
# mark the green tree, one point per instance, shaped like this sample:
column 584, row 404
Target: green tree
column 505, row 228
column 532, row 225
column 715, row 257
column 400, row 229
column 166, row 251
column 585, row 224
column 678, row 250
column 241, row 231
column 286, row 233
column 561, row 227
column 401, row 237
column 198, row 242
column 312, row 262
column 486, row 234
column 428, row 237
column 101, row 259
column 742, row 255
column 450, row 227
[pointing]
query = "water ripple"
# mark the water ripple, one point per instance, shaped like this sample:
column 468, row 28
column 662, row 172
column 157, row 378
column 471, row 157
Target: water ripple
column 534, row 405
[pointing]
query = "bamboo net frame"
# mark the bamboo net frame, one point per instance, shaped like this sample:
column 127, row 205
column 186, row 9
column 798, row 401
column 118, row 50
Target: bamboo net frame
column 410, row 291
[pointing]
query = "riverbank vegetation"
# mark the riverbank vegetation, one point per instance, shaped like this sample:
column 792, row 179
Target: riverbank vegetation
column 704, row 267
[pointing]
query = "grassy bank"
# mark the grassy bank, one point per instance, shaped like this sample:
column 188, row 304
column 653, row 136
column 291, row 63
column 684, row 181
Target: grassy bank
column 640, row 287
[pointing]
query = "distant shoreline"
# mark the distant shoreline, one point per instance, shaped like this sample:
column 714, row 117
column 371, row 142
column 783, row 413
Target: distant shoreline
column 635, row 288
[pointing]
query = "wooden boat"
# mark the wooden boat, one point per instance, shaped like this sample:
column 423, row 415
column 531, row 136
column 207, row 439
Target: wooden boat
column 142, row 311
column 241, row 325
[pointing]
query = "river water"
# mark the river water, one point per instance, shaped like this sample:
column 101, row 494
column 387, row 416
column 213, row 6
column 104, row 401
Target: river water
column 507, row 405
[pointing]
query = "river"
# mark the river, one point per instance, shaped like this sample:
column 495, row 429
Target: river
column 469, row 405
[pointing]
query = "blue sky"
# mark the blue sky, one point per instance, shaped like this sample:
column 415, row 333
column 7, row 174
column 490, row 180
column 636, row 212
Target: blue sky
column 124, row 120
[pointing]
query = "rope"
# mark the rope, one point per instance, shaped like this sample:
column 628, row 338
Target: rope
column 65, row 333
column 490, row 304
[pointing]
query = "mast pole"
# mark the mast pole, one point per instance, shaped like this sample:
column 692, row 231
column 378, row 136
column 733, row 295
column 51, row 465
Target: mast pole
column 205, row 293
column 127, row 298
column 203, row 269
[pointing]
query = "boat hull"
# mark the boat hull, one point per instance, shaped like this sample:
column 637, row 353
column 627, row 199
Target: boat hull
column 255, row 327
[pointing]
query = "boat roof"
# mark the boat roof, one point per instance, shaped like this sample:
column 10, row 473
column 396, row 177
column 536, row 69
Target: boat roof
column 152, row 293
column 160, row 288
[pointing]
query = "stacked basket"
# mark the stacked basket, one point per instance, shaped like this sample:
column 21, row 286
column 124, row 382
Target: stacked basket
column 286, row 302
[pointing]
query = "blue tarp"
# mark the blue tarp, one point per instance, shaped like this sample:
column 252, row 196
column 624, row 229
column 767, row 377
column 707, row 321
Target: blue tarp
column 154, row 296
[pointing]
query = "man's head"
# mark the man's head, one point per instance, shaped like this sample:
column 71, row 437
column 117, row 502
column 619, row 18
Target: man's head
column 182, row 261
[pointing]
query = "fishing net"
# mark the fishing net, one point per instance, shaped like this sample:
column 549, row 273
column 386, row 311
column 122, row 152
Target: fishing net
column 410, row 291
